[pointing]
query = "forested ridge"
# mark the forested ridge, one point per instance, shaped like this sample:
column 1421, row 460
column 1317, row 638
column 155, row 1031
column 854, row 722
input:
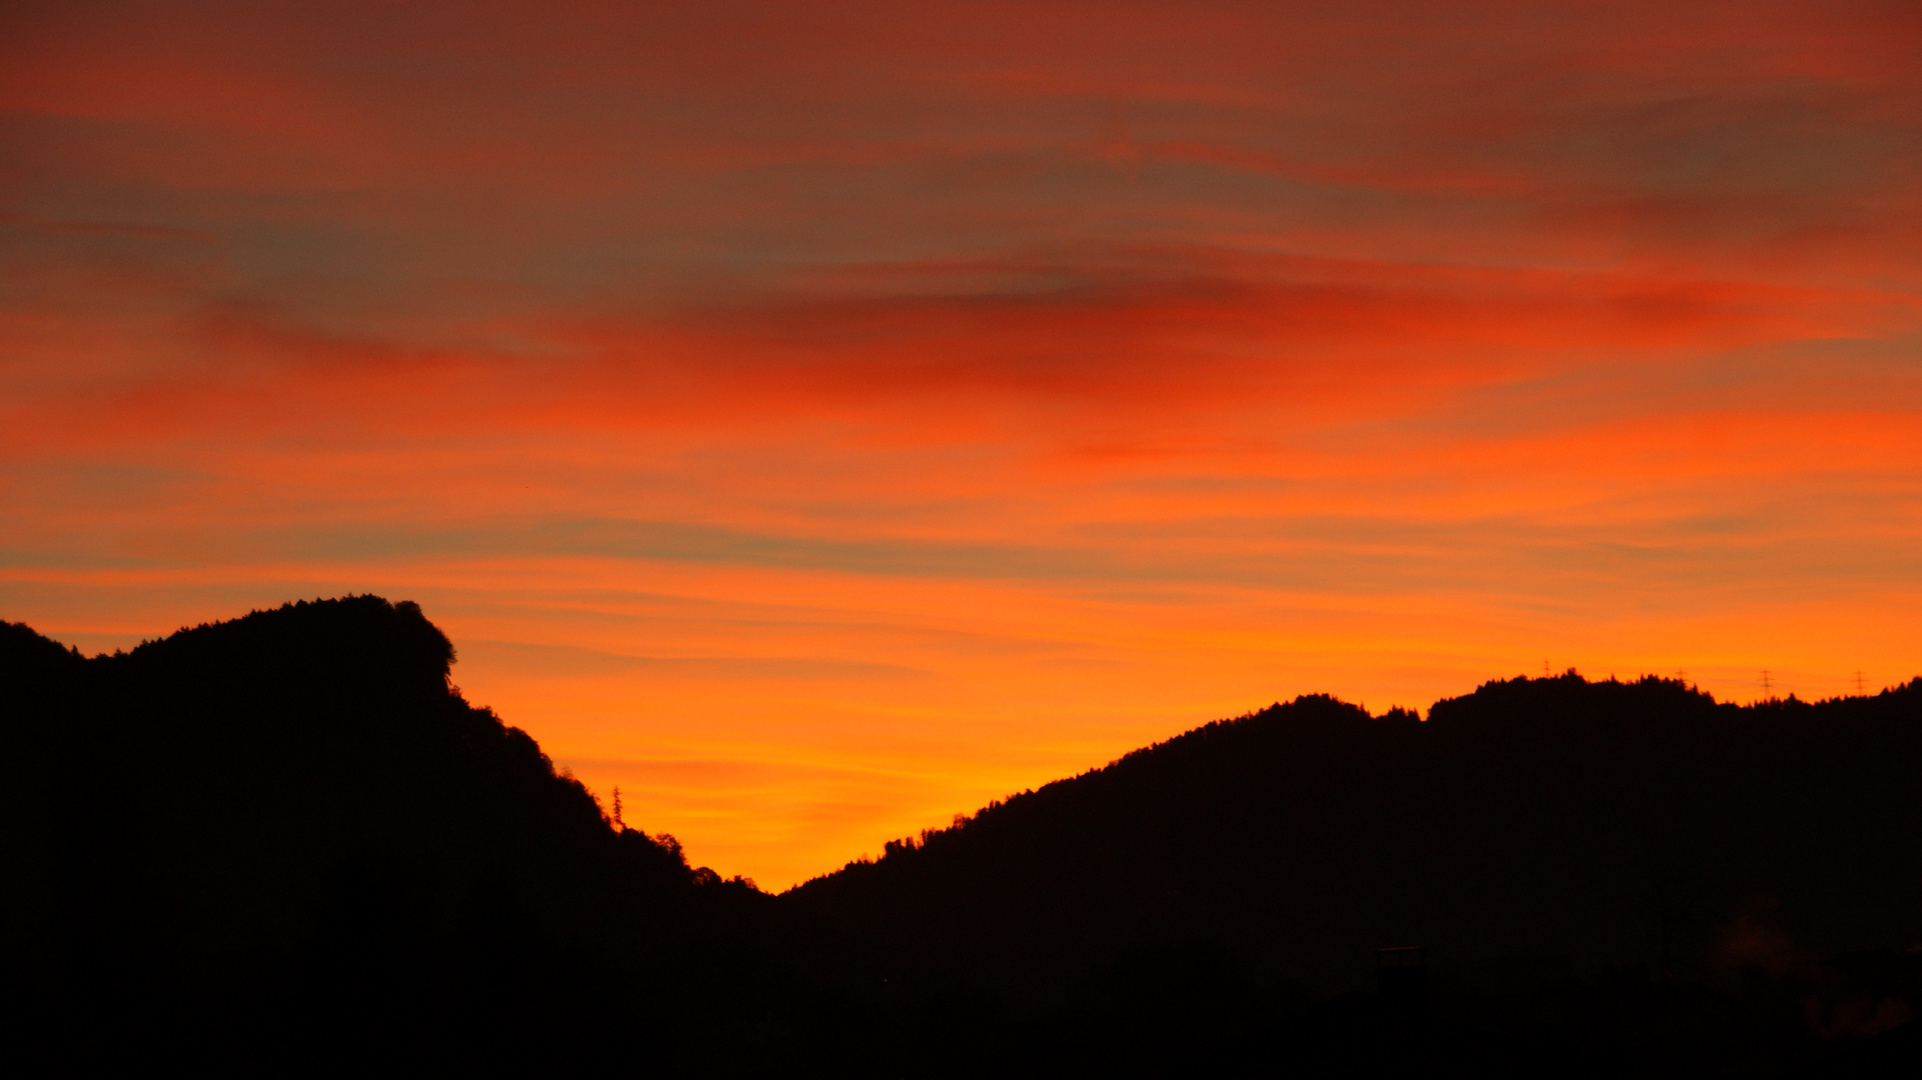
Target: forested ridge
column 1568, row 821
column 287, row 841
column 289, row 832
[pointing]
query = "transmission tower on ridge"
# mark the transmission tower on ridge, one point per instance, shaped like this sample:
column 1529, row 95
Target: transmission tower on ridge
column 1767, row 683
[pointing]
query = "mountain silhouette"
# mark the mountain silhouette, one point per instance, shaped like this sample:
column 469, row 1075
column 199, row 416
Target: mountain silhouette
column 1536, row 833
column 290, row 830
column 286, row 842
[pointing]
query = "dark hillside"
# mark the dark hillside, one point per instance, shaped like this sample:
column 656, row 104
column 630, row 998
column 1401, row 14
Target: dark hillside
column 289, row 830
column 286, row 843
column 1535, row 827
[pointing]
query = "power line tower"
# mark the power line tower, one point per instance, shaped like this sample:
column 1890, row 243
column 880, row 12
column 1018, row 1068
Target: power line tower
column 1768, row 684
column 1859, row 692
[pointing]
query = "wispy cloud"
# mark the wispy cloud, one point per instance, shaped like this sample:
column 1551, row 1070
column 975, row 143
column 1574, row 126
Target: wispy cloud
column 887, row 407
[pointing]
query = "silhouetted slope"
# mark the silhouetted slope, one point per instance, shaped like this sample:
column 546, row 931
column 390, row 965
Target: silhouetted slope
column 289, row 830
column 1543, row 823
column 287, row 842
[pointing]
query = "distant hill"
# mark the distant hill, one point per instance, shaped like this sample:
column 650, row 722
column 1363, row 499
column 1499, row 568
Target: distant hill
column 1534, row 826
column 289, row 830
column 286, row 843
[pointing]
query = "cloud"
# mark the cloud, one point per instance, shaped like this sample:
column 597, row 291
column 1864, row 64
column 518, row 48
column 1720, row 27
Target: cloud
column 567, row 661
column 850, row 382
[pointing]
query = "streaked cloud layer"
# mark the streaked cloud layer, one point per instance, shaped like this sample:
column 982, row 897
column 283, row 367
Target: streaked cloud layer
column 821, row 419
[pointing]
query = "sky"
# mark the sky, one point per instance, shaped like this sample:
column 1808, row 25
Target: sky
column 817, row 420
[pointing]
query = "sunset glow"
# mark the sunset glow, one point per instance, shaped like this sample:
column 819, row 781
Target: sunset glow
column 818, row 420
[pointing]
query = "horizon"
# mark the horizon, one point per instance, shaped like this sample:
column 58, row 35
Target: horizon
column 608, row 799
column 816, row 419
column 286, row 838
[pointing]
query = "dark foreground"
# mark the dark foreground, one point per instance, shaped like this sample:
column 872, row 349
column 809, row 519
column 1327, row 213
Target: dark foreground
column 286, row 842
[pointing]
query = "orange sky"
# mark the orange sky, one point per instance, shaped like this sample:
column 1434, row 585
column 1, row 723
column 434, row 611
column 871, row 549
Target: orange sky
column 821, row 419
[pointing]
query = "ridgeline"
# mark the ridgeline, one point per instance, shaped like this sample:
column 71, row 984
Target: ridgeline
column 1553, row 821
column 286, row 841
